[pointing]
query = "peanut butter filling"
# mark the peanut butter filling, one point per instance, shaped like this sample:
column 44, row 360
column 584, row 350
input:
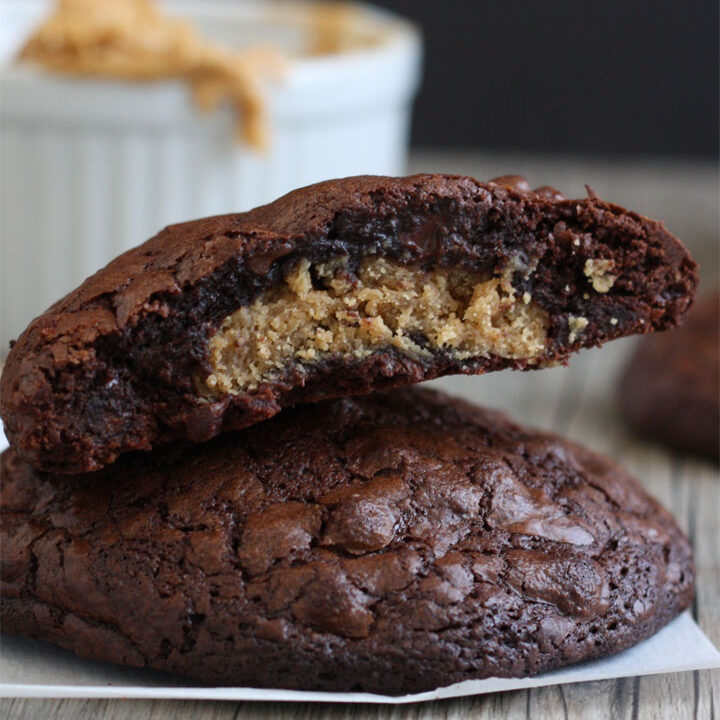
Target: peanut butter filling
column 134, row 40
column 299, row 323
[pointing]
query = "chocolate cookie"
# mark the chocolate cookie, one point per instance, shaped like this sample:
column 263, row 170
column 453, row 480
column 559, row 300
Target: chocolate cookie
column 390, row 543
column 336, row 289
column 670, row 389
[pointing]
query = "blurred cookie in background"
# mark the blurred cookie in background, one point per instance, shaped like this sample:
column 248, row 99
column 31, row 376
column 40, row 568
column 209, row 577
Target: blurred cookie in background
column 670, row 389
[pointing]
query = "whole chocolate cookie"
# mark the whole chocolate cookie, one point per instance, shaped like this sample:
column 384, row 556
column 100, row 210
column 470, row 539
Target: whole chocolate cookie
column 670, row 389
column 336, row 289
column 390, row 543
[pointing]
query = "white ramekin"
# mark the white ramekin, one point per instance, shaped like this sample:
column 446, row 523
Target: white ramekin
column 90, row 167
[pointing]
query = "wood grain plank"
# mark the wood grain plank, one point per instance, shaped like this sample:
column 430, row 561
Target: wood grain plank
column 704, row 528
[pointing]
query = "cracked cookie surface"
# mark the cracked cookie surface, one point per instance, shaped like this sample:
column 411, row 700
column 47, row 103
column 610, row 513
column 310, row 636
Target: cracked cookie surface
column 391, row 543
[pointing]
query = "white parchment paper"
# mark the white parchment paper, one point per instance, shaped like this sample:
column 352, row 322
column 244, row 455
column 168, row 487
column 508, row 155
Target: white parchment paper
column 35, row 669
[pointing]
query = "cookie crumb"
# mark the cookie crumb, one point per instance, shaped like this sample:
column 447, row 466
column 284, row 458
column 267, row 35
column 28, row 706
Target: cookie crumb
column 597, row 270
column 576, row 325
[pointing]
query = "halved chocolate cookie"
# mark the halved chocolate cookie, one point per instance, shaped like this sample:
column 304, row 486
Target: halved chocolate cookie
column 391, row 543
column 336, row 289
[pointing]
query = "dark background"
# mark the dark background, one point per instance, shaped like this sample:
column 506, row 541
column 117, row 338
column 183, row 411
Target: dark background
column 593, row 78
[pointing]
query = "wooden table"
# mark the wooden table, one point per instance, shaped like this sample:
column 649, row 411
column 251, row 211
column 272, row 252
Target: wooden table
column 577, row 401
